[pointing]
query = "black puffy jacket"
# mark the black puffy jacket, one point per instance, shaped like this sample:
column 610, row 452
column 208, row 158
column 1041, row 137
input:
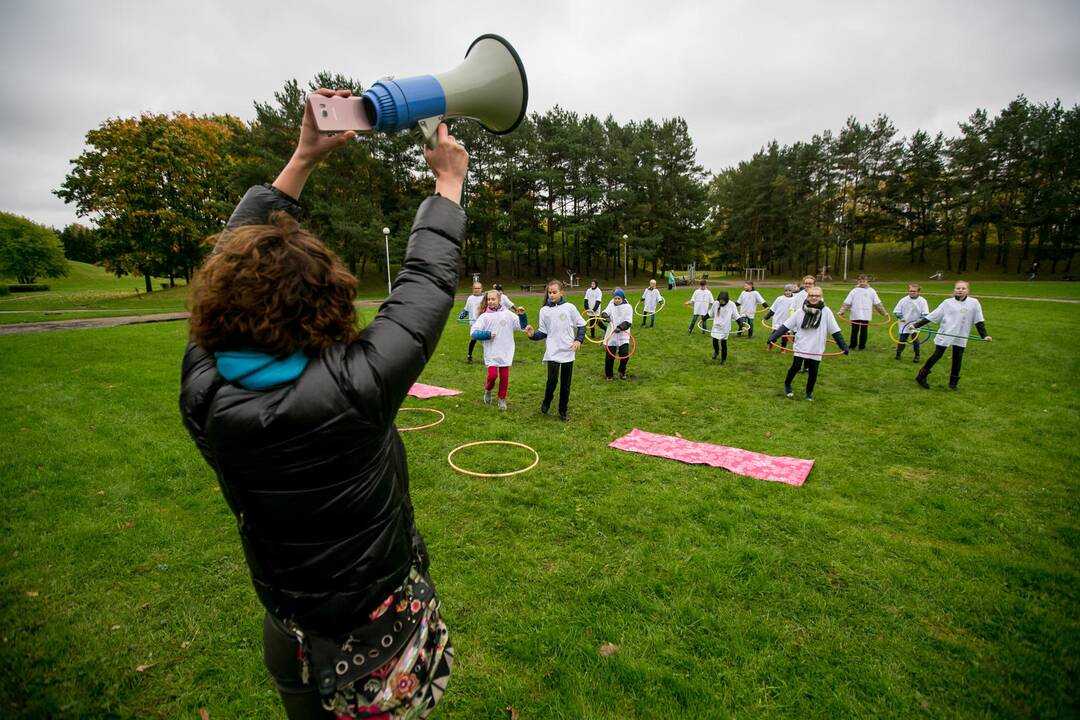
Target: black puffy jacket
column 314, row 469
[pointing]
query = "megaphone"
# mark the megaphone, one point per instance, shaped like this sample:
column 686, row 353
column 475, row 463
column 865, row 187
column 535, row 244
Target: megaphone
column 489, row 87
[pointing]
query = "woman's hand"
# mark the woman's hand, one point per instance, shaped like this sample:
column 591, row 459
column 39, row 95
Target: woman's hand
column 312, row 147
column 449, row 163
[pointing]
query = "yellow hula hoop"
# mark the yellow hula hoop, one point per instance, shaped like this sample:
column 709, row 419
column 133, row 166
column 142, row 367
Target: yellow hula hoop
column 492, row 442
column 440, row 413
column 914, row 338
column 660, row 306
column 594, row 319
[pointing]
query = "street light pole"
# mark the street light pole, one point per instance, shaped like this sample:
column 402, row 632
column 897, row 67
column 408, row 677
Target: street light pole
column 386, row 240
column 625, row 248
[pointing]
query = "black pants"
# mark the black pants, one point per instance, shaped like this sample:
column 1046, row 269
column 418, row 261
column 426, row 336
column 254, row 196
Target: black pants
column 650, row 316
column 858, row 334
column 558, row 374
column 748, row 323
column 592, row 327
column 472, row 344
column 939, row 351
column 903, row 341
column 702, row 319
column 719, row 346
column 811, row 368
column 623, row 351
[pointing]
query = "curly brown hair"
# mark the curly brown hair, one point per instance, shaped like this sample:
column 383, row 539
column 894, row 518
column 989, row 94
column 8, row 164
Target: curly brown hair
column 274, row 288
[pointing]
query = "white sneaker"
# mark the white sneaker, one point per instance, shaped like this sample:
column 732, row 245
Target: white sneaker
column 487, row 397
column 502, row 404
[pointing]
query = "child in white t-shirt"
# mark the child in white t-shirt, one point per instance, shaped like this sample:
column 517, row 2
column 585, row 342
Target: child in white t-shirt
column 474, row 305
column 651, row 299
column 749, row 299
column 782, row 308
column 955, row 318
column 911, row 307
column 621, row 316
column 723, row 313
column 562, row 326
column 495, row 329
column 862, row 301
column 813, row 324
column 593, row 296
column 702, row 300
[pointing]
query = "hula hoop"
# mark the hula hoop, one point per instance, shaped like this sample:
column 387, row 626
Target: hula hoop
column 914, row 339
column 492, row 442
column 802, row 352
column 886, row 321
column 660, row 306
column 938, row 332
column 594, row 319
column 633, row 348
column 440, row 413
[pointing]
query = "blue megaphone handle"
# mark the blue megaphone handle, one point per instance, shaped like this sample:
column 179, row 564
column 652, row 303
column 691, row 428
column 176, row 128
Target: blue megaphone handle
column 400, row 104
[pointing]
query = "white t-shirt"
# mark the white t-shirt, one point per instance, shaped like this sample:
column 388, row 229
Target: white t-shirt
column 748, row 302
column 810, row 342
column 560, row 323
column 702, row 300
column 862, row 301
column 910, row 309
column 955, row 318
column 618, row 314
column 499, row 350
column 784, row 307
column 593, row 296
column 506, row 302
column 473, row 305
column 723, row 316
column 652, row 299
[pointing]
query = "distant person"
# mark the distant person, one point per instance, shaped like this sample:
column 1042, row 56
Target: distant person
column 670, row 280
column 911, row 307
column 783, row 307
column 593, row 296
column 651, row 300
column 293, row 407
column 749, row 299
column 863, row 300
column 702, row 300
column 474, row 305
column 1033, row 271
column 724, row 313
column 620, row 315
column 495, row 329
column 955, row 318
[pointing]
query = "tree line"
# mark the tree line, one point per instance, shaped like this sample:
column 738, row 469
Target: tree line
column 1016, row 175
column 563, row 190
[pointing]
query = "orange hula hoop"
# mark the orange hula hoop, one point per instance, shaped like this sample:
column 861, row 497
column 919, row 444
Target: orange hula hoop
column 633, row 349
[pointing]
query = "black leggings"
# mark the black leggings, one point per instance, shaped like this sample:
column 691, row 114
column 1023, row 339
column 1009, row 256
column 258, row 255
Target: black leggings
column 719, row 346
column 939, row 351
column 558, row 374
column 858, row 334
column 700, row 320
column 623, row 351
column 904, row 341
column 811, row 367
column 472, row 344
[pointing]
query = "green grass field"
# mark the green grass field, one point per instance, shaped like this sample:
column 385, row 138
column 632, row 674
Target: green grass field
column 928, row 567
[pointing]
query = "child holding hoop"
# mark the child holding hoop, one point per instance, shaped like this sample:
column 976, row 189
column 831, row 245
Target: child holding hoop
column 782, row 308
column 617, row 343
column 912, row 307
column 562, row 326
column 955, row 317
column 724, row 313
column 495, row 329
column 593, row 296
column 862, row 301
column 652, row 299
column 702, row 300
column 812, row 324
column 474, row 305
column 749, row 299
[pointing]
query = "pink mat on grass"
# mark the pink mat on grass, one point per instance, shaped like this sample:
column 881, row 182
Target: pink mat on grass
column 792, row 471
column 423, row 391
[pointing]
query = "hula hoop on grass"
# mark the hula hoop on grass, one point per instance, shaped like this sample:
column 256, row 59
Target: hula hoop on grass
column 492, row 442
column 915, row 338
column 633, row 349
column 440, row 413
column 860, row 323
column 660, row 306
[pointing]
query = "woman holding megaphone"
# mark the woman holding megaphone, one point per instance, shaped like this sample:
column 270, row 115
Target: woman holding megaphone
column 293, row 407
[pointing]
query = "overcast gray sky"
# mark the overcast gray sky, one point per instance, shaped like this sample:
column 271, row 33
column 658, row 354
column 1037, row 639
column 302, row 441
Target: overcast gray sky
column 741, row 73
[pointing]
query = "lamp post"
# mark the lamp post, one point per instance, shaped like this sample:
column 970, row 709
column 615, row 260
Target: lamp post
column 625, row 248
column 386, row 241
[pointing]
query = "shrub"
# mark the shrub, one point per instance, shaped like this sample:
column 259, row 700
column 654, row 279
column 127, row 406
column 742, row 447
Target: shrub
column 27, row 287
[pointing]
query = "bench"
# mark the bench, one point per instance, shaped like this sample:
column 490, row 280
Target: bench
column 526, row 288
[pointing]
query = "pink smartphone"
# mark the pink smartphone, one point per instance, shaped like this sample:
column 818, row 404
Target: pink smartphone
column 338, row 114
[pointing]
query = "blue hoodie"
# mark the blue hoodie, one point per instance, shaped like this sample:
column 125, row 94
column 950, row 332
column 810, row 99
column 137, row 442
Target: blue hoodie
column 255, row 370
